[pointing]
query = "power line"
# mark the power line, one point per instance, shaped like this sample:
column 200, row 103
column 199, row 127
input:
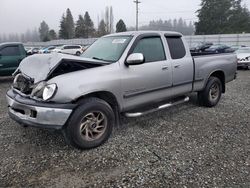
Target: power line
column 166, row 12
column 137, row 2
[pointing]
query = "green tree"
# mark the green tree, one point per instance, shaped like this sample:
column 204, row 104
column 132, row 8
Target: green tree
column 240, row 20
column 63, row 28
column 52, row 34
column 44, row 31
column 67, row 26
column 70, row 25
column 120, row 26
column 101, row 28
column 79, row 33
column 88, row 26
column 222, row 16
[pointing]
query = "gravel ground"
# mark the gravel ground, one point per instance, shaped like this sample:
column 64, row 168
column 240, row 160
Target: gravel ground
column 185, row 146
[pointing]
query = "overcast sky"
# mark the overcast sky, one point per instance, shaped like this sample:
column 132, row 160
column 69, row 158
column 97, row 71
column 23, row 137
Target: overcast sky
column 19, row 15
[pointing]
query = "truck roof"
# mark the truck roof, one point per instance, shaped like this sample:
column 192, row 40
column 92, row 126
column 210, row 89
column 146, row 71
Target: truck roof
column 136, row 33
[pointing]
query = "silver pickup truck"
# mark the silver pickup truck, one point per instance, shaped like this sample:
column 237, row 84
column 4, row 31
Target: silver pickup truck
column 131, row 74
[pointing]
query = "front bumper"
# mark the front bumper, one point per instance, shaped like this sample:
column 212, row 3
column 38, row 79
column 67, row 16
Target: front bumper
column 243, row 64
column 37, row 114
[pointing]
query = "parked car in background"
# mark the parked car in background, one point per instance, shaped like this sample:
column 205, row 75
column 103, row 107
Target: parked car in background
column 57, row 49
column 243, row 55
column 131, row 74
column 237, row 47
column 11, row 54
column 201, row 46
column 69, row 49
column 219, row 48
column 27, row 48
column 32, row 50
column 46, row 50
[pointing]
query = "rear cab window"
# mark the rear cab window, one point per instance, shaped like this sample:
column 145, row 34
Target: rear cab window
column 152, row 49
column 176, row 47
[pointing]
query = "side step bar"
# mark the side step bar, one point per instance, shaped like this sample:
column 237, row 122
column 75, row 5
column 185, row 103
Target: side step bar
column 138, row 114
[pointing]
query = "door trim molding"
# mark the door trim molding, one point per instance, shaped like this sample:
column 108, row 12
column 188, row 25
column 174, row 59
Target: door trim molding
column 137, row 93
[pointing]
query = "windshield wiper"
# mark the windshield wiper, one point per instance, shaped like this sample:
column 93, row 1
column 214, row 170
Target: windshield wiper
column 100, row 59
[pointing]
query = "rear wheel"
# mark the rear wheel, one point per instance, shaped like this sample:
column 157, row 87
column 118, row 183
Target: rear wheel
column 211, row 95
column 90, row 125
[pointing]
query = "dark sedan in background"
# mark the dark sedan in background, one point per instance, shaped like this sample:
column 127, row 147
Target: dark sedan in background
column 219, row 48
column 201, row 46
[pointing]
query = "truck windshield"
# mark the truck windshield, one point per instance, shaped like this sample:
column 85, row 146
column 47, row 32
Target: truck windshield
column 108, row 49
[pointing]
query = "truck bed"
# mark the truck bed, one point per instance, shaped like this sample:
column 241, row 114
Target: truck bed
column 205, row 63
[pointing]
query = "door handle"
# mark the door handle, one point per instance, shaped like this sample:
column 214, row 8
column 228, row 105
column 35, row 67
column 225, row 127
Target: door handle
column 165, row 68
column 177, row 66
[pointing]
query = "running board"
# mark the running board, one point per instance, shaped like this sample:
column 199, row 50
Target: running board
column 138, row 114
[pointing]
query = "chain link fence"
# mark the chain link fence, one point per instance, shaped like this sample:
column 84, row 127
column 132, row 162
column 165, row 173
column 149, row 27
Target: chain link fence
column 83, row 42
column 229, row 39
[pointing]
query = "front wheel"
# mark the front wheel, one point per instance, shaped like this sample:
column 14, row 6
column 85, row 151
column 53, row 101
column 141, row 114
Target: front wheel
column 90, row 125
column 211, row 95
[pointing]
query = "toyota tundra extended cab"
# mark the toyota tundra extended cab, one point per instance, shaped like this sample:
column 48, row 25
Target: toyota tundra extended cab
column 131, row 74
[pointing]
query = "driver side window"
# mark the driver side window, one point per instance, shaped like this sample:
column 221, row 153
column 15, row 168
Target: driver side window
column 152, row 49
column 10, row 51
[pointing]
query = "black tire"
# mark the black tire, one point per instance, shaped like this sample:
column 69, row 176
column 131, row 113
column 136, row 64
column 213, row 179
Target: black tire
column 208, row 97
column 73, row 133
column 78, row 53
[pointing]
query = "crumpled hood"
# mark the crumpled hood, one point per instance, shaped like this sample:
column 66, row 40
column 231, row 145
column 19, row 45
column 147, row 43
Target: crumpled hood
column 38, row 67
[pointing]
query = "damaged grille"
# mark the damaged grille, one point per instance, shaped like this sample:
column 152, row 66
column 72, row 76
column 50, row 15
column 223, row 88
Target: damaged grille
column 23, row 84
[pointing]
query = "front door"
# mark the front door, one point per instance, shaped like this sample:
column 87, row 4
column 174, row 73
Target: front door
column 150, row 81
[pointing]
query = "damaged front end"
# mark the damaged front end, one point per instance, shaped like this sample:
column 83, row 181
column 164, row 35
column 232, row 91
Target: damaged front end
column 26, row 87
column 30, row 100
column 23, row 84
column 33, row 73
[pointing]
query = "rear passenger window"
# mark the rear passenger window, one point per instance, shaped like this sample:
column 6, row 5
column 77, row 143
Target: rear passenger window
column 66, row 47
column 151, row 48
column 176, row 47
column 10, row 51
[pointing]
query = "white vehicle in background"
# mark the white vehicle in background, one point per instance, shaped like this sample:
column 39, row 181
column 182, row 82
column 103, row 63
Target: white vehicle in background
column 69, row 49
column 243, row 56
column 32, row 50
column 46, row 50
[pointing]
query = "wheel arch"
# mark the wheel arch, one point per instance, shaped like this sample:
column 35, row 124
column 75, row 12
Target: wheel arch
column 108, row 97
column 221, row 76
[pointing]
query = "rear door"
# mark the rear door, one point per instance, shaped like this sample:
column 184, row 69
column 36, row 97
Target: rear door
column 75, row 49
column 182, row 63
column 150, row 81
column 10, row 57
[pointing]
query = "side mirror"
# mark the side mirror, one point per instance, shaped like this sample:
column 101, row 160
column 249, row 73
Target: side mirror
column 135, row 59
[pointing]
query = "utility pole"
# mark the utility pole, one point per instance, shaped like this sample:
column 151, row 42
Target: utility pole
column 137, row 2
